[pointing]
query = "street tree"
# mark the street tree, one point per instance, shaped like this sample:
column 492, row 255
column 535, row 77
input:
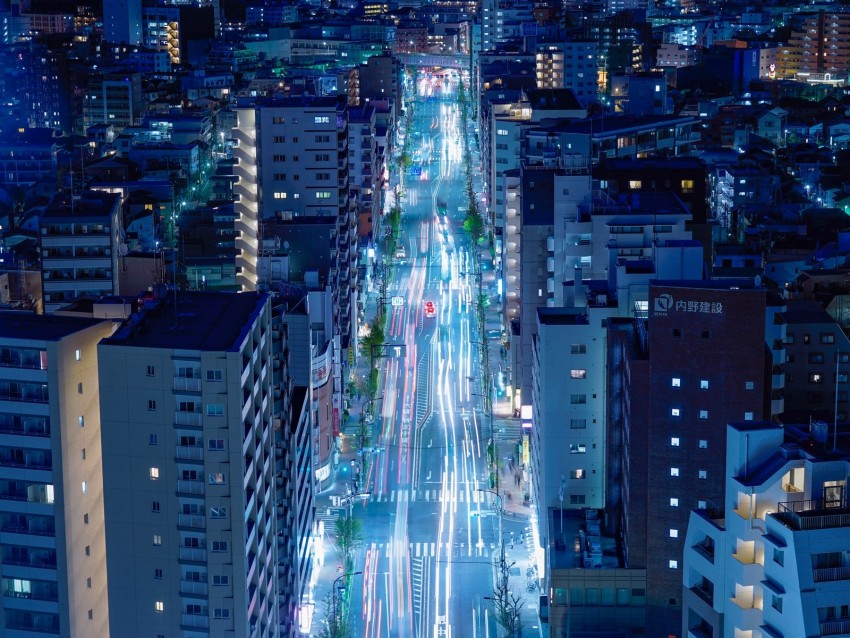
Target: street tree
column 508, row 607
column 349, row 535
column 333, row 626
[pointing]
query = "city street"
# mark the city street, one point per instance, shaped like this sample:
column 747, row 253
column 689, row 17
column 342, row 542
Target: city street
column 429, row 533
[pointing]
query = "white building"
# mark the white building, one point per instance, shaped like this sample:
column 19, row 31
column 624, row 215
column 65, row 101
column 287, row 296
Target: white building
column 188, row 484
column 773, row 559
column 51, row 505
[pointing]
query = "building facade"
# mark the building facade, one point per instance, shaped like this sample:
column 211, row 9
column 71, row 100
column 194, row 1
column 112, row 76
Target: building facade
column 188, row 454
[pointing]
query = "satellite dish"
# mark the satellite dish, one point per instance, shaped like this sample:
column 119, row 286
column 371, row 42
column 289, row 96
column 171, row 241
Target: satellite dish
column 123, row 249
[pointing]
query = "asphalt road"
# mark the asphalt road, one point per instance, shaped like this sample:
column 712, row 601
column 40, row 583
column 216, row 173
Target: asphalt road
column 429, row 534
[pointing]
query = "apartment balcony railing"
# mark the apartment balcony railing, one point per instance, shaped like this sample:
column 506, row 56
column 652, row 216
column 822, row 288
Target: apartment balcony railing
column 835, row 627
column 190, row 487
column 195, row 621
column 194, row 554
column 830, row 574
column 187, row 384
column 190, row 452
column 813, row 514
column 704, row 594
column 194, row 587
column 194, row 521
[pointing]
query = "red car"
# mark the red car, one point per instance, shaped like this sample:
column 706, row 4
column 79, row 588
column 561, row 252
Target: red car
column 430, row 312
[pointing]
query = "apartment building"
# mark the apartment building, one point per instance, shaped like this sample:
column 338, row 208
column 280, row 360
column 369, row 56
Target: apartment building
column 293, row 162
column 819, row 45
column 771, row 558
column 80, row 247
column 568, row 65
column 704, row 359
column 114, row 99
column 50, row 476
column 294, row 509
column 501, row 20
column 364, row 166
column 188, row 456
column 817, row 350
column 122, row 23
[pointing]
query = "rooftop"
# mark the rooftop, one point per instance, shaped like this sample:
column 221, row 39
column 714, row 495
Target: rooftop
column 91, row 204
column 578, row 542
column 806, row 311
column 210, row 321
column 25, row 325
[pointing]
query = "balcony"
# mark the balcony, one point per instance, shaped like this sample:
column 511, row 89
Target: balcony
column 194, row 621
column 190, row 487
column 831, row 574
column 187, row 418
column 704, row 593
column 190, row 452
column 194, row 587
column 184, row 384
column 192, row 554
column 813, row 515
column 835, row 627
column 194, row 521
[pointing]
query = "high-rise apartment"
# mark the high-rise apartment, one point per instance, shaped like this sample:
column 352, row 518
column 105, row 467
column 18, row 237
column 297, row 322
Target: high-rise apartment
column 820, row 45
column 188, row 462
column 570, row 65
column 51, row 500
column 772, row 557
column 292, row 163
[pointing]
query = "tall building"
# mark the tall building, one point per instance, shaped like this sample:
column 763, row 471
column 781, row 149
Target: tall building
column 299, row 149
column 819, row 45
column 51, row 504
column 49, row 83
column 115, row 99
column 772, row 557
column 122, row 21
column 188, row 455
column 713, row 353
column 80, row 247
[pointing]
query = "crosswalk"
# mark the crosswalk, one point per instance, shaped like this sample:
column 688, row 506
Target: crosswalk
column 430, row 550
column 428, row 496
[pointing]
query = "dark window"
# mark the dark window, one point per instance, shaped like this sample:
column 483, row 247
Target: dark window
column 677, row 333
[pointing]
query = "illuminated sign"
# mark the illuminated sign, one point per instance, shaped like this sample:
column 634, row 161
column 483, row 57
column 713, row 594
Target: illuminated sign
column 665, row 303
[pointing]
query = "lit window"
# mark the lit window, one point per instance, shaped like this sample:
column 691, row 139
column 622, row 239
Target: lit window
column 703, row 444
column 635, row 184
column 703, row 414
column 323, row 195
column 578, row 374
column 748, row 416
column 674, row 533
column 749, row 385
column 279, row 195
column 703, row 474
column 321, row 119
column 157, row 539
column 216, row 478
column 576, row 474
column 502, row 132
column 578, row 448
column 154, row 473
column 676, row 382
column 673, row 564
column 674, row 471
column 674, row 441
column 674, row 502
column 701, row 505
column 82, row 421
column 159, row 606
column 703, row 384
column 85, row 487
column 78, row 354
column 816, row 377
column 674, row 412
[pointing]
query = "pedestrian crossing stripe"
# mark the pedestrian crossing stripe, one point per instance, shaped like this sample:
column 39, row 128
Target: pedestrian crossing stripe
column 429, row 550
column 429, row 496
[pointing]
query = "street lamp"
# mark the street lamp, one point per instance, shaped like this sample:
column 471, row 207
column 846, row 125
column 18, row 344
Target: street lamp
column 335, row 599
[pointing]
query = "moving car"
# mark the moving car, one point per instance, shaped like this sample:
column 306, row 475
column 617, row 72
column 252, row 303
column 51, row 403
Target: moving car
column 430, row 311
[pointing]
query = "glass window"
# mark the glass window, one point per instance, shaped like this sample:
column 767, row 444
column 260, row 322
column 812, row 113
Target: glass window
column 154, row 473
column 673, row 564
column 578, row 374
column 674, row 471
column 676, row 382
column 674, row 502
column 159, row 606
column 703, row 384
column 157, row 539
column 703, row 414
column 675, row 412
column 674, row 441
column 674, row 533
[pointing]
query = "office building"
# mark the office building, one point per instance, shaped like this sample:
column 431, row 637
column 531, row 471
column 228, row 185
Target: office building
column 114, row 99
column 771, row 557
column 188, row 455
column 80, row 247
column 51, row 502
